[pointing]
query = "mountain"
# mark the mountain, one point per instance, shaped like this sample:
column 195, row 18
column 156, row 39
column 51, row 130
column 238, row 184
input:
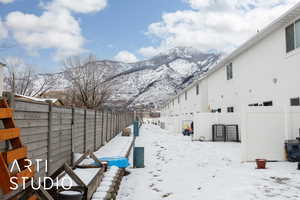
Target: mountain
column 152, row 82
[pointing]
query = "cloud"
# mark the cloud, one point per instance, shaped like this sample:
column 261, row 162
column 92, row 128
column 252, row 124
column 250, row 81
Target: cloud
column 149, row 52
column 125, row 56
column 214, row 24
column 56, row 28
column 6, row 1
column 3, row 30
column 82, row 6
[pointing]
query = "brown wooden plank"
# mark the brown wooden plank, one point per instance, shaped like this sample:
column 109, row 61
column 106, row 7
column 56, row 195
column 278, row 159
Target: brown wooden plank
column 15, row 154
column 4, row 176
column 11, row 133
column 33, row 197
column 6, row 113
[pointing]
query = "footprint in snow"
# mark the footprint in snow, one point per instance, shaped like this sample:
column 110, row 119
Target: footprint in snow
column 167, row 195
column 151, row 185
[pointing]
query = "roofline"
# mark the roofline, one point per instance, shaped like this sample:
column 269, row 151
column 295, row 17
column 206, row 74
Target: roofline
column 285, row 18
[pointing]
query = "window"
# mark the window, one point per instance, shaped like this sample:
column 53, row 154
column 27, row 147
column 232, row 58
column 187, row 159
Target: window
column 292, row 36
column 185, row 95
column 268, row 103
column 173, row 103
column 197, row 89
column 229, row 71
column 295, row 101
column 219, row 110
column 297, row 33
column 178, row 99
column 230, row 109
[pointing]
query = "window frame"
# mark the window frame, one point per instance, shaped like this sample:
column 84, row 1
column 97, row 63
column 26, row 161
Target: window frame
column 293, row 23
column 268, row 103
column 293, row 104
column 229, row 71
column 230, row 109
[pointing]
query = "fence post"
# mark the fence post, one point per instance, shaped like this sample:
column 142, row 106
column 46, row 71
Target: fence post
column 106, row 127
column 102, row 127
column 118, row 122
column 49, row 170
column 84, row 132
column 111, row 124
column 95, row 131
column 72, row 133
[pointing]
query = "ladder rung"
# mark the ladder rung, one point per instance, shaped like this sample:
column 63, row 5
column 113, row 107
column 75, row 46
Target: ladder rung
column 15, row 154
column 8, row 134
column 33, row 197
column 6, row 113
column 25, row 173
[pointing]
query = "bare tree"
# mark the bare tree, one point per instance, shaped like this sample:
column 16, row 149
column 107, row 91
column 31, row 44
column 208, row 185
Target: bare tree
column 21, row 78
column 88, row 81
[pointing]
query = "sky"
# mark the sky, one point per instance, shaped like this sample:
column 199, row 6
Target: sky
column 45, row 32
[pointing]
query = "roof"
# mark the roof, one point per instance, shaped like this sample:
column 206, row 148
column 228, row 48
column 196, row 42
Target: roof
column 283, row 20
column 44, row 100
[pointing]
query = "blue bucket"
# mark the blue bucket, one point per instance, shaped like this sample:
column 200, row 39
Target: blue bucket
column 120, row 162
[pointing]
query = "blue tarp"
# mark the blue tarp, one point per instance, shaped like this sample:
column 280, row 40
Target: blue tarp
column 120, row 162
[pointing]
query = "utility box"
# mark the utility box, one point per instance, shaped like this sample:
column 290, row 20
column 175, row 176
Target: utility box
column 138, row 157
column 136, row 128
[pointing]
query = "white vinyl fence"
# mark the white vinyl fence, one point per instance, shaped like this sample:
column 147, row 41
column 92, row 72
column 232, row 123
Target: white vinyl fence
column 203, row 123
column 265, row 130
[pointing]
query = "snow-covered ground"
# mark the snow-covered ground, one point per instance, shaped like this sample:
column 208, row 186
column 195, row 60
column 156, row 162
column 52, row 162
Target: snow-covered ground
column 179, row 169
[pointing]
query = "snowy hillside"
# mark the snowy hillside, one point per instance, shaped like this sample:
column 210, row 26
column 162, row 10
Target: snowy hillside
column 156, row 79
column 151, row 82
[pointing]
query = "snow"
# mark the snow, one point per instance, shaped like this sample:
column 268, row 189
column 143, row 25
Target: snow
column 117, row 147
column 86, row 175
column 178, row 169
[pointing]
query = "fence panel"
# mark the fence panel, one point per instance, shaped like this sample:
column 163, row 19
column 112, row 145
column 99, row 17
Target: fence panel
column 78, row 130
column 33, row 121
column 61, row 138
column 90, row 130
column 99, row 127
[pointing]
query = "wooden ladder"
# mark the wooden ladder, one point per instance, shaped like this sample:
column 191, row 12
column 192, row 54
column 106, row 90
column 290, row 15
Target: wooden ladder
column 16, row 152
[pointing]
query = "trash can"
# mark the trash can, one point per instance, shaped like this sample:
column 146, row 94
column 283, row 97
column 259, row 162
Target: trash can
column 138, row 157
column 292, row 148
column 136, row 128
column 72, row 194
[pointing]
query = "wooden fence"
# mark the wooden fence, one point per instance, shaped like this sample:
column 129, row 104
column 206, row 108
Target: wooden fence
column 52, row 133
